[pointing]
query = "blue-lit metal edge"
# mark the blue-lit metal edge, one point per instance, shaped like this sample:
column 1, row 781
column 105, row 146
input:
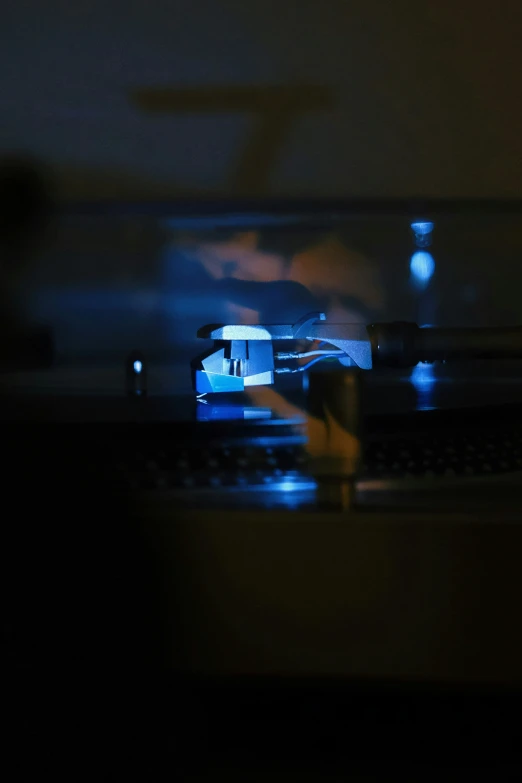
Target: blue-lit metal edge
column 291, row 493
column 263, row 442
column 462, row 494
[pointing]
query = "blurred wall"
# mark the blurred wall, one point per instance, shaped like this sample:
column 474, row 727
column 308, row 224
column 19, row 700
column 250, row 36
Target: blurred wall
column 394, row 99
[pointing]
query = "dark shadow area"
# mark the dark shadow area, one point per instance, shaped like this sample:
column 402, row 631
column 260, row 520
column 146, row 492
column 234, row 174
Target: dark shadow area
column 87, row 181
column 99, row 614
column 83, row 655
column 277, row 109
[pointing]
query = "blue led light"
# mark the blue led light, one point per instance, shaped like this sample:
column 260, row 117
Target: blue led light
column 423, row 228
column 138, row 367
column 424, row 382
column 422, row 376
column 422, row 266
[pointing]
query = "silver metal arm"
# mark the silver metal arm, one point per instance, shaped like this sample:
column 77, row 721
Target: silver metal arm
column 244, row 356
column 353, row 339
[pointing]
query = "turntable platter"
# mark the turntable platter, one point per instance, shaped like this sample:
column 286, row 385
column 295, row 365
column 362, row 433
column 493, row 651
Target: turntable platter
column 422, row 433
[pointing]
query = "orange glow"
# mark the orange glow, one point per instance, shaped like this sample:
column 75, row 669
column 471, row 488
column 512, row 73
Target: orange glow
column 330, row 268
column 242, row 315
column 240, row 258
column 325, row 438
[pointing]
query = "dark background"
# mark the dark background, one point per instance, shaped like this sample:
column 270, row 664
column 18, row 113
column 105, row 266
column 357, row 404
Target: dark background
column 409, row 98
column 122, row 100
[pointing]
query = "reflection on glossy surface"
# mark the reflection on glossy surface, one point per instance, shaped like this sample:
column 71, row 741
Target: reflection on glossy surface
column 345, row 282
column 422, row 267
column 206, row 411
column 422, row 231
column 103, row 294
column 422, row 228
column 324, row 438
column 290, row 485
column 423, row 379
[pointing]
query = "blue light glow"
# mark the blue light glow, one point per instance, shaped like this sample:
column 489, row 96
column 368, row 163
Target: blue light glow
column 422, row 267
column 422, row 228
column 138, row 367
column 422, row 376
column 287, row 485
column 423, row 380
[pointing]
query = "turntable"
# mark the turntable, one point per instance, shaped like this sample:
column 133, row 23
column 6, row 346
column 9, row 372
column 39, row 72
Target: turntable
column 233, row 426
column 389, row 555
